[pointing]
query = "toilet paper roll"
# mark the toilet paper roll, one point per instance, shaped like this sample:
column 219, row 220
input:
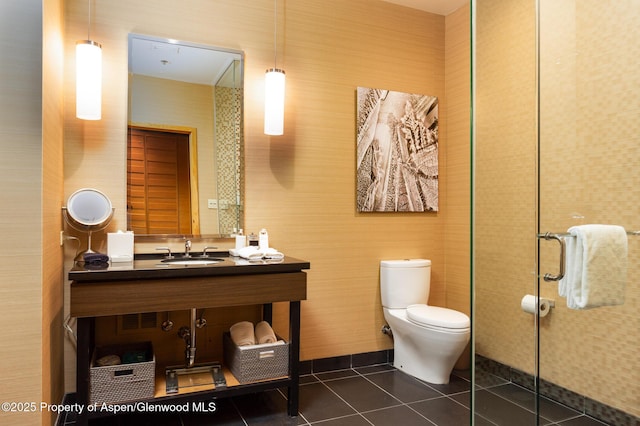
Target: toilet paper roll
column 529, row 304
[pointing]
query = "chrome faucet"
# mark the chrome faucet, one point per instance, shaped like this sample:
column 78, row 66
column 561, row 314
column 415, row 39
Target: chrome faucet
column 187, row 247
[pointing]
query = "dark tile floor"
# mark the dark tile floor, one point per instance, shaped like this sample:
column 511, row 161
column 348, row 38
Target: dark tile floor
column 375, row 395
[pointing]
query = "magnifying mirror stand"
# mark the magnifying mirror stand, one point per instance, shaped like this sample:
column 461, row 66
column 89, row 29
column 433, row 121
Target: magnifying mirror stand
column 89, row 229
column 88, row 250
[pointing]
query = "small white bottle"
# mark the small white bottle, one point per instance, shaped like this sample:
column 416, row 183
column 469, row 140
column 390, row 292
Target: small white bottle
column 241, row 240
column 263, row 240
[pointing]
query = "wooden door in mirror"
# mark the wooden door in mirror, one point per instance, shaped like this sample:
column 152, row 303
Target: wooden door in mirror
column 158, row 187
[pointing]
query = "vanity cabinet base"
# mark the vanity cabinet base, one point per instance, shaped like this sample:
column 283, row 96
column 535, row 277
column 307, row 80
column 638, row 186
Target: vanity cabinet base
column 283, row 282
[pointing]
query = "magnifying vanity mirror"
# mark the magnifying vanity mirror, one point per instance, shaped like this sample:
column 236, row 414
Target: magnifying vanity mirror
column 88, row 210
column 185, row 138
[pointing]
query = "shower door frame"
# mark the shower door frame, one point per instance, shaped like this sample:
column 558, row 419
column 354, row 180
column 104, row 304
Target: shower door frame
column 566, row 139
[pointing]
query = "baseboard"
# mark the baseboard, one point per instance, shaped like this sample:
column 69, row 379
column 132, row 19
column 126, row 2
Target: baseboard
column 346, row 361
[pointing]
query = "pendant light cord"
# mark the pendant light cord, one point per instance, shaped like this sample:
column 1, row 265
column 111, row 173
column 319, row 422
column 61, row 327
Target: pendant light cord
column 275, row 34
column 89, row 28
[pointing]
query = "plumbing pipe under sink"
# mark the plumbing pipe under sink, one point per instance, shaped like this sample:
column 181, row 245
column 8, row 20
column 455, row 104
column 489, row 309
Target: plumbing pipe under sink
column 188, row 334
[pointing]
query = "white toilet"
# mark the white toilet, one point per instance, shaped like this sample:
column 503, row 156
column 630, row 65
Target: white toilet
column 427, row 340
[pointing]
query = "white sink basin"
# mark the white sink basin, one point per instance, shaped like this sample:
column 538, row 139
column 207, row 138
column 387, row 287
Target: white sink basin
column 211, row 261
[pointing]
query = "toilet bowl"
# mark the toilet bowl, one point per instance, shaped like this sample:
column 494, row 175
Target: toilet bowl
column 427, row 340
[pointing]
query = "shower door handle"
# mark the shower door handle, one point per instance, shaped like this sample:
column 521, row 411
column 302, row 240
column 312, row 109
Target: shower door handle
column 549, row 236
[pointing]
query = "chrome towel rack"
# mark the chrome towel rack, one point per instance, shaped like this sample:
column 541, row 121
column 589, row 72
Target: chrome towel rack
column 559, row 237
column 552, row 235
column 563, row 248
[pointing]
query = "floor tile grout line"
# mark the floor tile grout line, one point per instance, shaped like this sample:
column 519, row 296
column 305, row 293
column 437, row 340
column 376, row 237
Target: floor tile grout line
column 484, row 418
column 394, row 397
column 522, row 406
column 510, row 401
column 458, row 402
column 235, row 406
column 307, row 422
column 361, row 413
column 343, row 400
column 320, row 422
column 406, row 404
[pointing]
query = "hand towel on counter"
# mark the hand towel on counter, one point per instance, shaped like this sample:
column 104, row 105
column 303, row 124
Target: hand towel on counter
column 242, row 333
column 264, row 333
column 254, row 253
column 596, row 266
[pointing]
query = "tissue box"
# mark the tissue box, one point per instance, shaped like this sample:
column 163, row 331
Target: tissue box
column 123, row 382
column 120, row 246
column 256, row 362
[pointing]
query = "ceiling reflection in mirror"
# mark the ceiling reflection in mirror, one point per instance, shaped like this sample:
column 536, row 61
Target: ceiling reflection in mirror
column 185, row 138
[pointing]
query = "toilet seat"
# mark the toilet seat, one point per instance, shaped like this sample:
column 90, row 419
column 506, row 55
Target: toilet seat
column 437, row 317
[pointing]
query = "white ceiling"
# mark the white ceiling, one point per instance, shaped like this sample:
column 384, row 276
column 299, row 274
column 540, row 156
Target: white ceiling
column 439, row 7
column 174, row 60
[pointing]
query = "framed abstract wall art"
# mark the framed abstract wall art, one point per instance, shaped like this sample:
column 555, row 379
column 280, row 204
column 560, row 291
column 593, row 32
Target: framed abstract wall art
column 397, row 151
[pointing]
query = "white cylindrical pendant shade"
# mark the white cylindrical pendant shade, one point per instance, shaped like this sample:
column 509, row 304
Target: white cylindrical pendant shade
column 88, row 80
column 274, row 83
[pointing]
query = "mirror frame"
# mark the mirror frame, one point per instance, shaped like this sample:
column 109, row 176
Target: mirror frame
column 193, row 140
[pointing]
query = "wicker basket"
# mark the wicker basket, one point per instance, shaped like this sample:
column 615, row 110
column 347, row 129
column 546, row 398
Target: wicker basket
column 123, row 382
column 257, row 362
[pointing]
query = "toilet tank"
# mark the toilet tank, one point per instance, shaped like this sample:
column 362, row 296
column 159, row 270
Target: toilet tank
column 404, row 282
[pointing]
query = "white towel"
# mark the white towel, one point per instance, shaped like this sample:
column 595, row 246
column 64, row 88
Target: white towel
column 254, row 253
column 242, row 333
column 264, row 333
column 596, row 268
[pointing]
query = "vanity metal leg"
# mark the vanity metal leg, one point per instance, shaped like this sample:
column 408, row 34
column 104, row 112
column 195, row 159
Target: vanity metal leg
column 294, row 358
column 83, row 360
column 267, row 313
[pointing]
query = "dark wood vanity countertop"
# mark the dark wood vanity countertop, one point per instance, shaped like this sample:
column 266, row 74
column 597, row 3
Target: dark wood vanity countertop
column 143, row 286
column 153, row 268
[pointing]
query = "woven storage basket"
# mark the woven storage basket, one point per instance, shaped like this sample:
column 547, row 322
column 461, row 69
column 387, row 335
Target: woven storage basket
column 255, row 363
column 123, row 382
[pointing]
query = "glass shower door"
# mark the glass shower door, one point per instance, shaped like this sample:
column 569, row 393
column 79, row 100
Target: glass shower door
column 556, row 144
column 589, row 173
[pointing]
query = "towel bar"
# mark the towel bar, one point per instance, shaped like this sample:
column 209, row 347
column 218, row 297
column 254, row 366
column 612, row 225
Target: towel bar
column 559, row 239
column 566, row 234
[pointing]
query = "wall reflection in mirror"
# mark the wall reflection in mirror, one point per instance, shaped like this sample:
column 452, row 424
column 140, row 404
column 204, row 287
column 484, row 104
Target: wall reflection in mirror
column 185, row 138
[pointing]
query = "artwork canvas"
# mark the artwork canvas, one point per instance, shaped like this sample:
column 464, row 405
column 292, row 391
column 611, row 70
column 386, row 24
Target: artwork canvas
column 397, row 151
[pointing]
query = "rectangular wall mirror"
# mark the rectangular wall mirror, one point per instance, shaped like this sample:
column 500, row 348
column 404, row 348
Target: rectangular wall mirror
column 185, row 138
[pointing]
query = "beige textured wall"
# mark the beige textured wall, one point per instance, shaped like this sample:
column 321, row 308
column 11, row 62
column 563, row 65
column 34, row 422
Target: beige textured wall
column 300, row 186
column 21, row 172
column 52, row 200
column 589, row 149
column 31, row 263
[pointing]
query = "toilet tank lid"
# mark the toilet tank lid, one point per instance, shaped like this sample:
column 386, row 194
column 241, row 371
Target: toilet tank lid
column 405, row 263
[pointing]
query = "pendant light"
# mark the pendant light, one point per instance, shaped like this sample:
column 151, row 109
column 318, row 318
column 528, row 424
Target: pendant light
column 88, row 77
column 274, row 84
